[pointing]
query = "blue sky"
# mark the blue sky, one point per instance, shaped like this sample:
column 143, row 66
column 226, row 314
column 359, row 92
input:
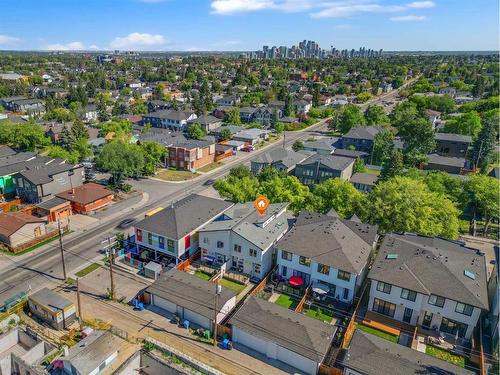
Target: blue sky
column 248, row 24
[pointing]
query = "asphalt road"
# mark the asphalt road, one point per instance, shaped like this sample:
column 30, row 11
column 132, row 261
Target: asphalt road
column 43, row 267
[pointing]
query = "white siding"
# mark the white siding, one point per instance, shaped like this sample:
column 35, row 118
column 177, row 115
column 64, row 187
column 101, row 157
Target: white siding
column 164, row 304
column 197, row 319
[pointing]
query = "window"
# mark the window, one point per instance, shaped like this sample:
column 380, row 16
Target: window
column 451, row 327
column 384, row 287
column 384, row 307
column 436, row 300
column 343, row 275
column 205, row 240
column 325, row 270
column 410, row 295
column 253, row 253
column 139, row 235
column 286, row 255
column 150, row 238
column 305, row 261
column 463, row 308
column 170, row 244
column 161, row 242
column 220, row 244
column 237, row 248
column 256, row 268
column 346, row 294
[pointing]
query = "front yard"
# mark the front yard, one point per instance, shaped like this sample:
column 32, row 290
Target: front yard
column 445, row 355
column 319, row 313
column 175, row 175
column 287, row 302
column 210, row 167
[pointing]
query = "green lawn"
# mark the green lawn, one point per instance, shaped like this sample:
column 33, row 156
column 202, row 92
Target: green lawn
column 90, row 268
column 237, row 287
column 202, row 275
column 286, row 301
column 445, row 355
column 320, row 314
column 210, row 167
column 175, row 175
column 378, row 333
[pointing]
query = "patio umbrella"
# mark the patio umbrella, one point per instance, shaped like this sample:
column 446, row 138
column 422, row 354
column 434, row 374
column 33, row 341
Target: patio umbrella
column 296, row 281
column 320, row 289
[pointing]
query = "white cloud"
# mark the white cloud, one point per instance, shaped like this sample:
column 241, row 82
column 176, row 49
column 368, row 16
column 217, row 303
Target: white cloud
column 350, row 8
column 8, row 40
column 409, row 18
column 240, row 6
column 421, row 4
column 73, row 46
column 93, row 46
column 138, row 41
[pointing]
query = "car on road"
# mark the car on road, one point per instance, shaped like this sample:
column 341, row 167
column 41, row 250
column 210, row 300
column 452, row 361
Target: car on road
column 248, row 149
column 209, row 182
column 126, row 223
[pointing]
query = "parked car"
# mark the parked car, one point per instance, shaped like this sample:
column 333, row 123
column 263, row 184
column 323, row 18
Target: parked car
column 248, row 149
column 126, row 223
column 209, row 182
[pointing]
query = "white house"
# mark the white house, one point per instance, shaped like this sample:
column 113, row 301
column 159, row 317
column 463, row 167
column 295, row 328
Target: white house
column 244, row 238
column 168, row 118
column 327, row 250
column 174, row 230
column 190, row 298
column 435, row 283
column 282, row 334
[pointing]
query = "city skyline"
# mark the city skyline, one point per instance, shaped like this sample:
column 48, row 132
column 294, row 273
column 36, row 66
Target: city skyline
column 236, row 25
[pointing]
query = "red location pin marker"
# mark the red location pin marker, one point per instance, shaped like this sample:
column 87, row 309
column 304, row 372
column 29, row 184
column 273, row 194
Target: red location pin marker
column 261, row 204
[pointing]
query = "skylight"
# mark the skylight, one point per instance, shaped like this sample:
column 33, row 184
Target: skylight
column 391, row 256
column 470, row 275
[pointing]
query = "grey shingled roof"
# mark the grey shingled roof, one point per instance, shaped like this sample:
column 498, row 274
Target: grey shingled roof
column 51, row 203
column 296, row 332
column 289, row 158
column 364, row 178
column 51, row 299
column 42, row 174
column 6, row 151
column 184, row 216
column 453, row 137
column 363, row 132
column 369, row 354
column 205, row 120
column 244, row 220
column 349, row 153
column 170, row 114
column 432, row 265
column 190, row 292
column 321, row 144
column 331, row 241
column 338, row 163
column 446, row 160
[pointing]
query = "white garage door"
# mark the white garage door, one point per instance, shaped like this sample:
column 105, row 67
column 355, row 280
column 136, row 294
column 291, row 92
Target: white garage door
column 250, row 341
column 164, row 304
column 298, row 361
column 197, row 319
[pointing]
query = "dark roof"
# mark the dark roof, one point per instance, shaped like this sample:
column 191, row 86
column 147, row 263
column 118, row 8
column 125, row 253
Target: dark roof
column 495, row 172
column 294, row 331
column 6, row 151
column 184, row 216
column 338, row 163
column 433, row 265
column 289, row 158
column 52, row 202
column 362, row 132
column 50, row 299
column 364, row 178
column 170, row 114
column 329, row 240
column 370, row 354
column 321, row 144
column 453, row 137
column 11, row 222
column 232, row 128
column 190, row 292
column 446, row 160
column 86, row 193
column 193, row 143
column 205, row 120
column 42, row 174
column 349, row 153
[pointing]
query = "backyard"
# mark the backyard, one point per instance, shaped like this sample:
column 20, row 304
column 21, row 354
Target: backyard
column 237, row 287
column 377, row 332
column 445, row 355
column 202, row 275
column 318, row 313
column 287, row 302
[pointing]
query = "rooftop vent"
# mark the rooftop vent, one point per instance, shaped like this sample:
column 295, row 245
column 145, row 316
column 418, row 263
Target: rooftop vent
column 391, row 256
column 470, row 275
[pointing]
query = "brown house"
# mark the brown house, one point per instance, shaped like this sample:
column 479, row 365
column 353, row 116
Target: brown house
column 191, row 154
column 19, row 228
column 54, row 209
column 88, row 197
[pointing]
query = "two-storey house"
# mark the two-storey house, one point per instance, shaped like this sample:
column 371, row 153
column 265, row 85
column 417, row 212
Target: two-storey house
column 169, row 119
column 280, row 158
column 191, row 154
column 360, row 138
column 318, row 168
column 324, row 249
column 173, row 231
column 244, row 238
column 454, row 145
column 437, row 284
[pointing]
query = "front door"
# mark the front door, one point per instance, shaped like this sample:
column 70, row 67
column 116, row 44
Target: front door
column 407, row 315
column 426, row 322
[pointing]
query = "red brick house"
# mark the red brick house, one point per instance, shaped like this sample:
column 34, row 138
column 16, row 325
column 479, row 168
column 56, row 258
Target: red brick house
column 88, row 197
column 191, row 154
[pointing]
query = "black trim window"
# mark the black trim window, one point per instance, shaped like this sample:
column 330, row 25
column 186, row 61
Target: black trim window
column 409, row 295
column 343, row 275
column 436, row 300
column 237, row 248
column 463, row 308
column 286, row 255
column 384, row 287
column 305, row 261
column 220, row 244
column 384, row 307
column 325, row 270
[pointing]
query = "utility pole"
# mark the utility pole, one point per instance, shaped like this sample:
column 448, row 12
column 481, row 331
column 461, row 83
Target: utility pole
column 61, row 247
column 80, row 314
column 479, row 154
column 217, row 292
column 111, row 260
column 284, row 137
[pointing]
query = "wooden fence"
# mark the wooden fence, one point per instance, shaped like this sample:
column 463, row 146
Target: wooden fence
column 263, row 282
column 326, row 370
column 300, row 306
column 186, row 263
column 352, row 323
column 414, row 341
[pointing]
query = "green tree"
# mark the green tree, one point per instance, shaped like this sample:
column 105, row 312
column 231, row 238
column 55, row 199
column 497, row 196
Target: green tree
column 383, row 144
column 154, row 153
column 56, row 151
column 402, row 204
column 286, row 189
column 363, row 97
column 484, row 146
column 121, row 159
column 375, row 115
column 483, row 192
column 60, row 115
column 238, row 189
column 340, row 195
column 346, row 118
column 402, row 113
column 467, row 124
column 393, row 165
column 225, row 134
column 288, row 105
column 359, row 165
column 233, row 116
column 195, row 131
column 25, row 137
column 418, row 138
column 297, row 146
